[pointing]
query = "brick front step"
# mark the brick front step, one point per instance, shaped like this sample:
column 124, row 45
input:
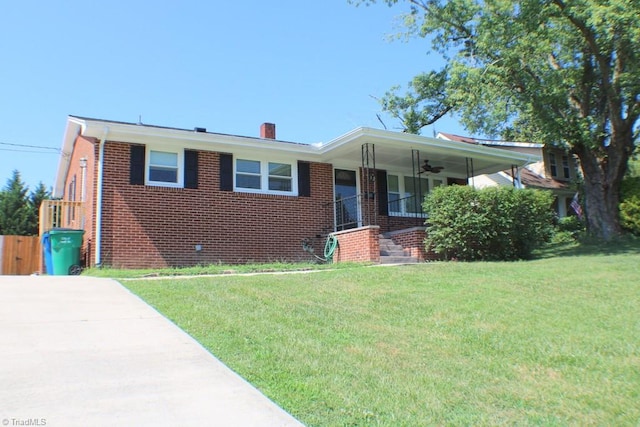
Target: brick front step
column 391, row 253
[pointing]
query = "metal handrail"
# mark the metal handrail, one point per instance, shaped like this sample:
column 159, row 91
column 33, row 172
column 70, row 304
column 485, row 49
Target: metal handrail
column 395, row 207
column 346, row 216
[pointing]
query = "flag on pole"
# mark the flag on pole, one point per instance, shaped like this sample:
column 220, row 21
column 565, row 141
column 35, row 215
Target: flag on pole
column 575, row 205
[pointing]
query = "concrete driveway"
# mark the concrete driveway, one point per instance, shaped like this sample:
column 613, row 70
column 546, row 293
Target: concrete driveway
column 81, row 351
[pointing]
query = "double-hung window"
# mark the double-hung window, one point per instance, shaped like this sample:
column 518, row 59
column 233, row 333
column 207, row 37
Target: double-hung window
column 566, row 172
column 280, row 177
column 559, row 165
column 164, row 168
column 262, row 176
column 248, row 174
column 406, row 194
column 393, row 194
column 553, row 167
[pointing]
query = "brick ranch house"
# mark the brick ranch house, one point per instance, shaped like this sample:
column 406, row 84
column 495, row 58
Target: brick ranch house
column 153, row 196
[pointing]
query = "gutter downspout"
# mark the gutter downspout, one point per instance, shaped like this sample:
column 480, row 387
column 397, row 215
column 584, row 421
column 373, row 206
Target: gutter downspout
column 98, row 259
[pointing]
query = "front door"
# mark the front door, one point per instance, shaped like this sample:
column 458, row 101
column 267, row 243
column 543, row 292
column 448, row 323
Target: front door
column 347, row 206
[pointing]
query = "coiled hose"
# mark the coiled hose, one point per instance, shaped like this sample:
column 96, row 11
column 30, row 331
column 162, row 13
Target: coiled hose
column 330, row 247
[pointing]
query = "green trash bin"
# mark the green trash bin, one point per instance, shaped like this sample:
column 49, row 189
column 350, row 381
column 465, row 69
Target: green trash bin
column 65, row 251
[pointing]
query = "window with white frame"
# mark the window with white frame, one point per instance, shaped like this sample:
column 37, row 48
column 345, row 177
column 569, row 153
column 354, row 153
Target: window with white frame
column 559, row 165
column 263, row 176
column 553, row 167
column 566, row 172
column 280, row 177
column 248, row 174
column 406, row 194
column 164, row 168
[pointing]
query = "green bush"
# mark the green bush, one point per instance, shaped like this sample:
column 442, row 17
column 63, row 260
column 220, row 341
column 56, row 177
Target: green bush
column 568, row 229
column 571, row 224
column 496, row 223
column 630, row 205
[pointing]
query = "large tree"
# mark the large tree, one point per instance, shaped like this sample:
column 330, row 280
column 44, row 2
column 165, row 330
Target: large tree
column 19, row 210
column 561, row 72
column 15, row 211
column 35, row 200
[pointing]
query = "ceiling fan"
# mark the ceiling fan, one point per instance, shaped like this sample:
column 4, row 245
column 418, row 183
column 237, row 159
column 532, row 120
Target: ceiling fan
column 426, row 167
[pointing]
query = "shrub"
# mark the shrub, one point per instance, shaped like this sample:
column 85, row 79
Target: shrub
column 496, row 223
column 571, row 224
column 630, row 205
column 568, row 229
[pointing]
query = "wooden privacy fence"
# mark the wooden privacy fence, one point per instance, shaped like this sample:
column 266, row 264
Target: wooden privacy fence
column 20, row 255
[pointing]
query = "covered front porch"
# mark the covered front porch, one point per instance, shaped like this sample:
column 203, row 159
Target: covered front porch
column 382, row 177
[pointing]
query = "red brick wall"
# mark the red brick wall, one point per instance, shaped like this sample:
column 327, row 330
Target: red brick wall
column 146, row 226
column 87, row 148
column 394, row 223
column 358, row 245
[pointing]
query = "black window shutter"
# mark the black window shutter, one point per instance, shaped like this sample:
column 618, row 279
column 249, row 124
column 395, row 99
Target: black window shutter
column 190, row 169
column 304, row 179
column 136, row 165
column 383, row 198
column 226, row 172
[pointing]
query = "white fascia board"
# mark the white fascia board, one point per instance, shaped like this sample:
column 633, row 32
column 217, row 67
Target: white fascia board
column 514, row 144
column 141, row 134
column 383, row 137
column 72, row 130
column 341, row 140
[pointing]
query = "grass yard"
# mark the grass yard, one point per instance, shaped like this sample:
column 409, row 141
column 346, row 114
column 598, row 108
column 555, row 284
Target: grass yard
column 554, row 341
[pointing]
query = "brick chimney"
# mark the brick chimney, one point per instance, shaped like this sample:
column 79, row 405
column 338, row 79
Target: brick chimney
column 268, row 131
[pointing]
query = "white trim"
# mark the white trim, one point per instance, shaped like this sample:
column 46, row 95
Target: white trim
column 164, row 149
column 403, row 193
column 332, row 152
column 264, row 176
column 385, row 137
column 144, row 134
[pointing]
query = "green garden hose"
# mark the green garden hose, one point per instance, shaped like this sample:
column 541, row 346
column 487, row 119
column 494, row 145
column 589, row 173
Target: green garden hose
column 330, row 247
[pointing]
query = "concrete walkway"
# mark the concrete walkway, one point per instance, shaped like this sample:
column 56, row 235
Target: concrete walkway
column 81, row 351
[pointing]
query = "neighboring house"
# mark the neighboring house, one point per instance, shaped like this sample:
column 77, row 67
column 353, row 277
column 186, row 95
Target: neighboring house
column 156, row 196
column 555, row 171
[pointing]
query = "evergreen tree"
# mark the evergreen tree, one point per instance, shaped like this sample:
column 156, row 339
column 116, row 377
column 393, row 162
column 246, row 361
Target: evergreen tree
column 15, row 209
column 35, row 199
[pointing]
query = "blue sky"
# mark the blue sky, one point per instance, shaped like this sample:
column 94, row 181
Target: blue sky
column 309, row 67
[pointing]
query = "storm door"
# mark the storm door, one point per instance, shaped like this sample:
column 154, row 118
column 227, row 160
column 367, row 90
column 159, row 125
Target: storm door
column 347, row 200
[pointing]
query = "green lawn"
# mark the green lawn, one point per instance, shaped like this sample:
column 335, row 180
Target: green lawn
column 554, row 341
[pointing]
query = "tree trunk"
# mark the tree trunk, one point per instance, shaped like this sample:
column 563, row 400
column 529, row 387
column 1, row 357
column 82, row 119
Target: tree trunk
column 601, row 210
column 603, row 171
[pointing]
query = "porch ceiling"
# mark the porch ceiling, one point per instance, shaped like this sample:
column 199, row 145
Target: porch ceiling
column 393, row 151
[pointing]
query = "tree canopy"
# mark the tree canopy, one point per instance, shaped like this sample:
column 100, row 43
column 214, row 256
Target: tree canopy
column 560, row 72
column 18, row 208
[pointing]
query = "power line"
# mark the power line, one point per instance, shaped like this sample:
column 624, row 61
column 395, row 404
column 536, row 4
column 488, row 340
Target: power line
column 30, row 146
column 26, row 151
